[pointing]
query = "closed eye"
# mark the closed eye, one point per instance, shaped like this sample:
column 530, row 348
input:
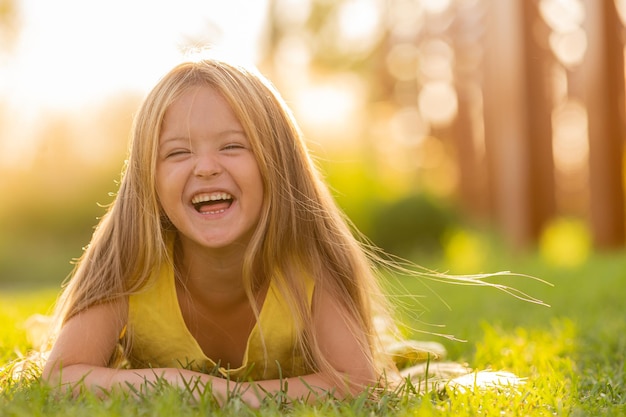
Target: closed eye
column 177, row 152
column 233, row 146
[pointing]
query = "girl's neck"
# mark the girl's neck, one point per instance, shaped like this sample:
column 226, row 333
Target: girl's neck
column 218, row 272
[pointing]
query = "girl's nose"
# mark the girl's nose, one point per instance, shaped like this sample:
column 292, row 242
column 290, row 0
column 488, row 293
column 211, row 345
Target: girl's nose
column 207, row 166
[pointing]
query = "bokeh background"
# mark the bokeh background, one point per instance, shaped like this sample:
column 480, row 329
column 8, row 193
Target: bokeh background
column 454, row 130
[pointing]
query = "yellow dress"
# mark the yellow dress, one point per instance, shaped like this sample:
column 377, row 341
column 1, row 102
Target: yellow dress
column 160, row 338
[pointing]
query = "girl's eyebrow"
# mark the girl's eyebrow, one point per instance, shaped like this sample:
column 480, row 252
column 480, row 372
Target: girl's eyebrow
column 233, row 131
column 165, row 140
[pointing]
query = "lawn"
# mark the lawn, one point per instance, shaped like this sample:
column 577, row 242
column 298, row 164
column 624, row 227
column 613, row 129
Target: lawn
column 572, row 353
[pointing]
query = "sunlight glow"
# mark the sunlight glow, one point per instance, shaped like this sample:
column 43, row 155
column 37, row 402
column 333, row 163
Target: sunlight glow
column 436, row 6
column 568, row 39
column 569, row 47
column 292, row 13
column 74, row 55
column 71, row 52
column 329, row 108
column 359, row 24
column 401, row 61
column 436, row 59
column 570, row 141
column 407, row 127
column 438, row 102
column 405, row 18
column 562, row 15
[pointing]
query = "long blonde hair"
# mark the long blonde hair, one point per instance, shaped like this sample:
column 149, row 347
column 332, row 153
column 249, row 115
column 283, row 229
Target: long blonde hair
column 301, row 230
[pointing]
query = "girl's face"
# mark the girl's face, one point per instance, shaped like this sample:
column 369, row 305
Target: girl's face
column 207, row 177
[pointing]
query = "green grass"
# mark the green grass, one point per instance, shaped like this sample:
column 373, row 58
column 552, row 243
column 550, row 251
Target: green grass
column 572, row 353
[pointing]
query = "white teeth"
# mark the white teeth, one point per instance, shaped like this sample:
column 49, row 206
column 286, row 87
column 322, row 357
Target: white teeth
column 201, row 198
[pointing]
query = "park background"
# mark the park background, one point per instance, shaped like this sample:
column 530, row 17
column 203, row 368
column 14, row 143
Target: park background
column 469, row 136
column 435, row 121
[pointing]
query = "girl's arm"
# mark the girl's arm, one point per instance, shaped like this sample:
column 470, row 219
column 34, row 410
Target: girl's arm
column 334, row 332
column 86, row 342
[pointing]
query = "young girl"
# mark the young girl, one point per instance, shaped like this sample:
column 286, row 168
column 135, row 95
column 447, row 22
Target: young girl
column 223, row 256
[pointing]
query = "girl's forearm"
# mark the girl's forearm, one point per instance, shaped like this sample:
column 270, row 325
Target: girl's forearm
column 102, row 380
column 308, row 387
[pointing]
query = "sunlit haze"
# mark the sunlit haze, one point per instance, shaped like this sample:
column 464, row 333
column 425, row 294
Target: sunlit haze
column 402, row 81
column 72, row 51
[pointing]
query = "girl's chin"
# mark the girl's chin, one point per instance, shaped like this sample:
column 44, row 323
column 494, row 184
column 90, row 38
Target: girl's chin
column 216, row 241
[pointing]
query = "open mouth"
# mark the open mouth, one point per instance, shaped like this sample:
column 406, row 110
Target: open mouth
column 213, row 203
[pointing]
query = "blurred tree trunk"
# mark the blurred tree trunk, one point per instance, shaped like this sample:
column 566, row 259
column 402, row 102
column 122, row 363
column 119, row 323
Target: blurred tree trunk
column 603, row 74
column 467, row 130
column 505, row 126
column 471, row 168
column 517, row 122
column 538, row 61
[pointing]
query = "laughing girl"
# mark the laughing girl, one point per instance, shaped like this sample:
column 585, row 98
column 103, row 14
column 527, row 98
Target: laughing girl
column 222, row 258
